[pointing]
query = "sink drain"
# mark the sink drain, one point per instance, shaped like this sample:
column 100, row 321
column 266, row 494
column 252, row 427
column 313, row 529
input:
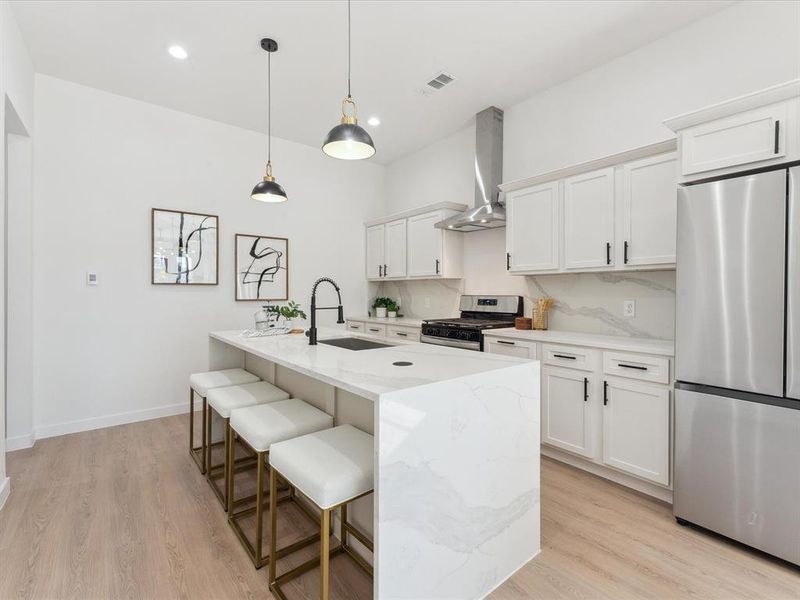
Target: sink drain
column 402, row 363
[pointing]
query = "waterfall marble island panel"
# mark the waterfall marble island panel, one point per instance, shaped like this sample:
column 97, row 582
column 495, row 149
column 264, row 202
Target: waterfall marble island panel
column 456, row 505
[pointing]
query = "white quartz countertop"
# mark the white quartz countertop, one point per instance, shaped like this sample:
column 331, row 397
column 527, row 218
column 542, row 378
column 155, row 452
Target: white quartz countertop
column 606, row 342
column 399, row 321
column 368, row 373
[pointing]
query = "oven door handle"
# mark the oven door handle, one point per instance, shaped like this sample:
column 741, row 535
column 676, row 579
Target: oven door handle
column 429, row 339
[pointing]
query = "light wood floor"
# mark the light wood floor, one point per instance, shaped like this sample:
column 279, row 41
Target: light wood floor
column 124, row 513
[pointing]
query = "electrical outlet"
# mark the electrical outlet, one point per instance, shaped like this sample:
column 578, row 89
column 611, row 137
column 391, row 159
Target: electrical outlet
column 91, row 278
column 629, row 308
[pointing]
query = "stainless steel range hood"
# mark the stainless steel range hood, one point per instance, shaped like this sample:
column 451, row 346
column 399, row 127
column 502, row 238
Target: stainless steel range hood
column 487, row 212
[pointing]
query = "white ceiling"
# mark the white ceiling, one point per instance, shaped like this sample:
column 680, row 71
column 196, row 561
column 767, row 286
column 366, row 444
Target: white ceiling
column 500, row 52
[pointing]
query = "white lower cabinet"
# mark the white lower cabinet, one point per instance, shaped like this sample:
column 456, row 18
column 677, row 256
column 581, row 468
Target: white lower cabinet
column 636, row 419
column 566, row 409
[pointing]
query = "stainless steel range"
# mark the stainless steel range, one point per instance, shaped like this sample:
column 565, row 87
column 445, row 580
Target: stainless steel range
column 477, row 313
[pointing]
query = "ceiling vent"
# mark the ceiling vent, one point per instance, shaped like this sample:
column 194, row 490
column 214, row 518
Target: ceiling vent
column 441, row 80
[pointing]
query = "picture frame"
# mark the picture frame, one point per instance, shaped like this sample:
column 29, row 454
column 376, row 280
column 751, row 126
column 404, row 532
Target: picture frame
column 184, row 248
column 261, row 268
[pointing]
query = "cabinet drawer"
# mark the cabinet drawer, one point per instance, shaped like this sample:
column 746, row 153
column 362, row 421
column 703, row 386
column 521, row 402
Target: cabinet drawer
column 376, row 330
column 637, row 366
column 410, row 334
column 355, row 326
column 510, row 347
column 573, row 357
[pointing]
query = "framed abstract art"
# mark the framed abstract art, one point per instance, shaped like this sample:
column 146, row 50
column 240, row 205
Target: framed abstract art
column 185, row 248
column 262, row 267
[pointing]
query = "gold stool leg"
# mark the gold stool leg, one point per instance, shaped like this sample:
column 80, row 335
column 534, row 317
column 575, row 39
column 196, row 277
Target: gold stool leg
column 207, row 427
column 230, row 473
column 273, row 519
column 205, row 440
column 260, row 507
column 324, row 553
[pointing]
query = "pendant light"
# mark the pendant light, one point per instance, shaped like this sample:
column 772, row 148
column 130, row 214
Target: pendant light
column 348, row 140
column 269, row 190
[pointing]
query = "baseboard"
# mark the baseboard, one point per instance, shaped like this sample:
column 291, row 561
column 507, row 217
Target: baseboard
column 20, row 442
column 134, row 416
column 635, row 483
column 5, row 491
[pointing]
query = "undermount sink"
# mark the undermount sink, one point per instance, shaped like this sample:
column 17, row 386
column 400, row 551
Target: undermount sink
column 354, row 343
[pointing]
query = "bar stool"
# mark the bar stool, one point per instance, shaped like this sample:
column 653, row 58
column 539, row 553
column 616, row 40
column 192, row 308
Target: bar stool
column 200, row 383
column 259, row 427
column 331, row 468
column 224, row 401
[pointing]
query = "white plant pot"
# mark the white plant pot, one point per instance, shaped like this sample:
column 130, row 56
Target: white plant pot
column 392, row 314
column 380, row 312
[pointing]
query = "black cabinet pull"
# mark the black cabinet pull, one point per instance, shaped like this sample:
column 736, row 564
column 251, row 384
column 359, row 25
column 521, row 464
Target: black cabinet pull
column 505, row 342
column 437, row 266
column 637, row 367
column 385, row 270
column 508, row 261
column 605, row 393
column 353, row 326
column 375, row 330
column 380, row 273
column 626, row 252
column 565, row 356
column 777, row 137
column 401, row 334
column 608, row 253
column 585, row 389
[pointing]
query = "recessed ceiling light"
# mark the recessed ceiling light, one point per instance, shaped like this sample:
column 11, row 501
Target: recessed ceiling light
column 374, row 121
column 178, row 52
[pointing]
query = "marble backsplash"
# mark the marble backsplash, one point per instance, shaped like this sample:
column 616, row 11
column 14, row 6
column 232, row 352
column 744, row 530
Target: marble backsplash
column 587, row 302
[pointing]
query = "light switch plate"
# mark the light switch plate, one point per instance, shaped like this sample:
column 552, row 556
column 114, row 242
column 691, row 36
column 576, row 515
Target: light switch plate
column 91, row 278
column 629, row 308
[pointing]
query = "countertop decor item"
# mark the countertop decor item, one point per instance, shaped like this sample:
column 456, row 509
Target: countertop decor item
column 523, row 323
column 540, row 312
column 290, row 313
column 348, row 140
column 262, row 267
column 269, row 190
column 382, row 305
column 185, row 248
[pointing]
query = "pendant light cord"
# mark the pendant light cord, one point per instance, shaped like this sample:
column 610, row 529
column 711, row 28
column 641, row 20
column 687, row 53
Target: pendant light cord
column 269, row 107
column 348, row 49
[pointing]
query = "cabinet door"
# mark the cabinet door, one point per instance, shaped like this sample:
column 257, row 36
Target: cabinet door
column 375, row 251
column 395, row 261
column 636, row 429
column 532, row 229
column 751, row 136
column 566, row 411
column 519, row 348
column 424, row 245
column 649, row 210
column 589, row 220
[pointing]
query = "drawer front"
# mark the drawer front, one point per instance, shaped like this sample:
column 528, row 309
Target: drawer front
column 572, row 357
column 410, row 334
column 375, row 330
column 637, row 366
column 748, row 137
column 510, row 347
column 355, row 326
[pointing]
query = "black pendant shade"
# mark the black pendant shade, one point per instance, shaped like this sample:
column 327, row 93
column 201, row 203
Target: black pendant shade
column 269, row 190
column 348, row 141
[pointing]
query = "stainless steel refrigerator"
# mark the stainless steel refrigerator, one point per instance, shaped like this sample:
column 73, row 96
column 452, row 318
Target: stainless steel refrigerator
column 737, row 355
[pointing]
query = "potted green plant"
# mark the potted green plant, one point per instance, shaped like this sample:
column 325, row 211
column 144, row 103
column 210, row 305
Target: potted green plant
column 391, row 309
column 290, row 312
column 381, row 305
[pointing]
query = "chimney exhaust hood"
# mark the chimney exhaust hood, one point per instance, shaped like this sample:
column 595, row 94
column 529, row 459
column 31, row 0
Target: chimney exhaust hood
column 487, row 212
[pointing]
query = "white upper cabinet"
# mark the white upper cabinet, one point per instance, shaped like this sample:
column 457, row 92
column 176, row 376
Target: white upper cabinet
column 532, row 229
column 375, row 251
column 649, row 211
column 756, row 130
column 589, row 220
column 425, row 245
column 395, row 249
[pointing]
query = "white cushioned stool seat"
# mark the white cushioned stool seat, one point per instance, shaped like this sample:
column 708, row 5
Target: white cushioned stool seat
column 329, row 467
column 202, row 382
column 224, row 400
column 266, row 424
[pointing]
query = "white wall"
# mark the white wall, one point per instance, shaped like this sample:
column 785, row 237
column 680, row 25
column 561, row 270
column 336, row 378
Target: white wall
column 124, row 349
column 612, row 108
column 16, row 113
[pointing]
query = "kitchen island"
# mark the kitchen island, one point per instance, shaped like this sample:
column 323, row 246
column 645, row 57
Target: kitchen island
column 456, row 505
